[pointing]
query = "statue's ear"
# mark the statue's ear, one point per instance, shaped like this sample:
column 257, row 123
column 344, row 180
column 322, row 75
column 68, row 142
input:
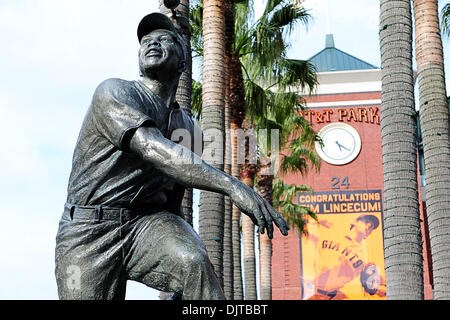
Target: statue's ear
column 181, row 66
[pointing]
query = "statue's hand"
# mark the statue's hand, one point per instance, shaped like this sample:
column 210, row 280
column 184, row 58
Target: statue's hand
column 258, row 209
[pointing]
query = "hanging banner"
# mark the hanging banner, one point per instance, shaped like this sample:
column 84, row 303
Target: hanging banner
column 342, row 255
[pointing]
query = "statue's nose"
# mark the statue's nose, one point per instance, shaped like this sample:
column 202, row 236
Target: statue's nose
column 154, row 42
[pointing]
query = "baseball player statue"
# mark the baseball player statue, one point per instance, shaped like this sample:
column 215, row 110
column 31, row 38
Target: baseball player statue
column 122, row 219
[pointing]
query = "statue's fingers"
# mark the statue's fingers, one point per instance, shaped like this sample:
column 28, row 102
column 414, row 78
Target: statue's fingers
column 253, row 214
column 253, row 218
column 280, row 222
column 269, row 220
column 262, row 224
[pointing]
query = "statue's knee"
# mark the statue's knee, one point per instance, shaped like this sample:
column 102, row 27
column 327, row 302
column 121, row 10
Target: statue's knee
column 195, row 259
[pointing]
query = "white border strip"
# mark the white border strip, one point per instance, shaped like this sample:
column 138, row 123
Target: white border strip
column 343, row 103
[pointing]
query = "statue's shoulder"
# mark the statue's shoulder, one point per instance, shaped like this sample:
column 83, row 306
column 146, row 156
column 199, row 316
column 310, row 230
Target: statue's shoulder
column 114, row 86
column 115, row 92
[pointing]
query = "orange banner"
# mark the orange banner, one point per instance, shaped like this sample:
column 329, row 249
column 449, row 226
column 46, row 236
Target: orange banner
column 342, row 255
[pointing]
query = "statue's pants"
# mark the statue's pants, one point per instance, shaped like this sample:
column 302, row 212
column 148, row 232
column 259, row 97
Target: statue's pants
column 97, row 251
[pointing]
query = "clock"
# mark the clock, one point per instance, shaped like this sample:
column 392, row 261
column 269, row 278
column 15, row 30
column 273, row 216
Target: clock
column 341, row 143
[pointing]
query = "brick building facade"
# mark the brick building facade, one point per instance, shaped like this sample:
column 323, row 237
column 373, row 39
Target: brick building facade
column 349, row 97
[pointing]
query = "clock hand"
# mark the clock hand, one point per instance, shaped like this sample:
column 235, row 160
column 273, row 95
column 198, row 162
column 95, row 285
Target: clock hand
column 341, row 146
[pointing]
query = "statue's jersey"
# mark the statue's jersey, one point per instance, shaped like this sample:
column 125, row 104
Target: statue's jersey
column 103, row 171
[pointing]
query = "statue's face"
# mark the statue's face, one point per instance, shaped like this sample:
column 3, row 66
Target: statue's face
column 159, row 51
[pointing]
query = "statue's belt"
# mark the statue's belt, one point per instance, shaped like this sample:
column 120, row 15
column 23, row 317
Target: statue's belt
column 100, row 212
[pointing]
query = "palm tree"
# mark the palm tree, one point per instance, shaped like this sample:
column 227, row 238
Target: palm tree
column 434, row 122
column 265, row 189
column 230, row 113
column 184, row 91
column 445, row 24
column 250, row 101
column 228, row 270
column 237, row 116
column 261, row 49
column 248, row 171
column 445, row 19
column 402, row 234
column 212, row 204
column 300, row 157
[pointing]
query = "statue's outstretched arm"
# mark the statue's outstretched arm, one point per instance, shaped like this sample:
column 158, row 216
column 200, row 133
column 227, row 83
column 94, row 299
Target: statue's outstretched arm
column 189, row 169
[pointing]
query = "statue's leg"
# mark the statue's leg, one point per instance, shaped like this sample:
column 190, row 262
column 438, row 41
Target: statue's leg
column 168, row 255
column 88, row 260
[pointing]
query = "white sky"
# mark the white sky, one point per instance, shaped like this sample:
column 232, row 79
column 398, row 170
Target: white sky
column 54, row 53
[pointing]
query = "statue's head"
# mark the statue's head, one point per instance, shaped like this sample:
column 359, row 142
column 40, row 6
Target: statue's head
column 161, row 46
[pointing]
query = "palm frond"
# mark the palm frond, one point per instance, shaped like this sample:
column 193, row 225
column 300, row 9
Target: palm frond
column 284, row 104
column 294, row 214
column 243, row 12
column 196, row 99
column 255, row 98
column 445, row 23
column 298, row 73
column 297, row 161
column 302, row 155
column 267, row 130
column 277, row 21
column 306, row 134
column 241, row 43
column 271, row 5
column 196, row 28
column 271, row 82
column 268, row 43
column 287, row 16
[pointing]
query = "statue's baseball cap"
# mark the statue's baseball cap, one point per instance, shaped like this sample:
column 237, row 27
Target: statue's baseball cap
column 154, row 21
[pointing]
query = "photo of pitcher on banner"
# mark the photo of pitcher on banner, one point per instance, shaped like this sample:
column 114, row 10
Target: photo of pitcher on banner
column 342, row 254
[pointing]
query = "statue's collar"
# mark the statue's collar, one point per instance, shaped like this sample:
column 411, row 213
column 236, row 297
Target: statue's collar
column 174, row 105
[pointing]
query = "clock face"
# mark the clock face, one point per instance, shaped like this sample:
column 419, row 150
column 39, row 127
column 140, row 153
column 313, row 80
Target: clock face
column 341, row 143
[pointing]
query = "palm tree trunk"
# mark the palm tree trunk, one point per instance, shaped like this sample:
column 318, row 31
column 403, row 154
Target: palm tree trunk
column 183, row 93
column 434, row 122
column 238, row 291
column 228, row 211
column 227, row 237
column 265, row 244
column 237, row 101
column 211, row 212
column 402, row 234
column 248, row 170
column 184, row 90
column 248, row 240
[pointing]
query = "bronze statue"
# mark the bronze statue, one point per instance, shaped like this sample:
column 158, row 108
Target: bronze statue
column 122, row 219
